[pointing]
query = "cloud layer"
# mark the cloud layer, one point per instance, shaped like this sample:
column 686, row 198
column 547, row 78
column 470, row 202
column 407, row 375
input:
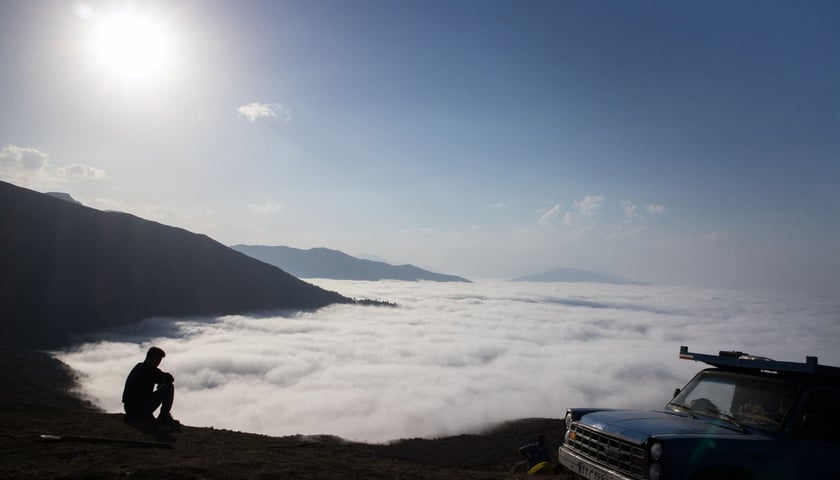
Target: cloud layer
column 452, row 358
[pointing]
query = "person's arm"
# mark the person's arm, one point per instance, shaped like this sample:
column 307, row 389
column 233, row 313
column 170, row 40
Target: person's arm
column 163, row 377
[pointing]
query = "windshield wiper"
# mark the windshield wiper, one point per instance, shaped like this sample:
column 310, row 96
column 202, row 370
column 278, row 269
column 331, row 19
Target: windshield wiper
column 731, row 420
column 709, row 413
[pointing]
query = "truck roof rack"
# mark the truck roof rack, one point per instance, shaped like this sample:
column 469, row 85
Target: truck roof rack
column 731, row 359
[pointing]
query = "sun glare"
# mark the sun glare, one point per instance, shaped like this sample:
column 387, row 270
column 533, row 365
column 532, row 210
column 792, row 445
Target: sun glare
column 131, row 47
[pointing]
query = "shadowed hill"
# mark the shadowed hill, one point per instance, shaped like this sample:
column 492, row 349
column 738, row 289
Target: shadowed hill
column 36, row 381
column 66, row 268
column 326, row 263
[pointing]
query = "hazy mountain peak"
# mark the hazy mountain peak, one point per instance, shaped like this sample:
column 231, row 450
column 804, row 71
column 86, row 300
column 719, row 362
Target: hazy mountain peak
column 63, row 196
column 321, row 262
column 566, row 274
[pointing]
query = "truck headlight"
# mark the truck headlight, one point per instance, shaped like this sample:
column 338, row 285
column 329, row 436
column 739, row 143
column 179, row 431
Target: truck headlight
column 656, row 451
column 568, row 420
column 655, row 471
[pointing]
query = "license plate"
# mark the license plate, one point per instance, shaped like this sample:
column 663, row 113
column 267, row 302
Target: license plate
column 584, row 468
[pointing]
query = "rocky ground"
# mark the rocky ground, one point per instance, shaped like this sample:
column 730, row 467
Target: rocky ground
column 35, row 402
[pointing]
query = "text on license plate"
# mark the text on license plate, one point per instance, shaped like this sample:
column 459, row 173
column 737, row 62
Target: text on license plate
column 590, row 473
column 584, row 469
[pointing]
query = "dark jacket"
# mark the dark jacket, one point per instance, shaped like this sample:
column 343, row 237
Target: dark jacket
column 141, row 383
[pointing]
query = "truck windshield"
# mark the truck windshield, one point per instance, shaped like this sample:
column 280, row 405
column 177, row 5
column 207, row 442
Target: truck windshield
column 746, row 400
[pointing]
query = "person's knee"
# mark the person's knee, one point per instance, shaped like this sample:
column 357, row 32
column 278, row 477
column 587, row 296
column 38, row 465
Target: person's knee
column 166, row 388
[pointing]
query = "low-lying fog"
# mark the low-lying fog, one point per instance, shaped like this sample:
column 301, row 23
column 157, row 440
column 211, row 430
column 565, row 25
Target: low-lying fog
column 453, row 357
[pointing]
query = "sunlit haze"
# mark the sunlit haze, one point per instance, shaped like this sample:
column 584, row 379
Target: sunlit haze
column 130, row 46
column 453, row 357
column 676, row 143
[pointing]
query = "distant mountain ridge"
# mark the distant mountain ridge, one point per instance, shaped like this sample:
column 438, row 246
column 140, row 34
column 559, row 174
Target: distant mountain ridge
column 334, row 264
column 66, row 268
column 63, row 196
column 576, row 275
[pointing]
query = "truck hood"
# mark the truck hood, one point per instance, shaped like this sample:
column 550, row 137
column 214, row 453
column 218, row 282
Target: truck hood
column 639, row 425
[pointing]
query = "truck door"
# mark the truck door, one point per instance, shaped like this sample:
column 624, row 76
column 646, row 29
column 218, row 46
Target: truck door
column 815, row 441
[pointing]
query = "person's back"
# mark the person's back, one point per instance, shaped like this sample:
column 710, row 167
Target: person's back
column 140, row 398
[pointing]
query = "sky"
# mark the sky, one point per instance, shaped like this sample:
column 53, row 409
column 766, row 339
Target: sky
column 677, row 143
column 453, row 357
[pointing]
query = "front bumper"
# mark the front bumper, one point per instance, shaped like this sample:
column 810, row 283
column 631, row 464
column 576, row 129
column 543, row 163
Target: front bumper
column 586, row 468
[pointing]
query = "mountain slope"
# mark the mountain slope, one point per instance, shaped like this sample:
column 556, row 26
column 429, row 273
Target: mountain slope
column 66, row 268
column 326, row 263
column 576, row 275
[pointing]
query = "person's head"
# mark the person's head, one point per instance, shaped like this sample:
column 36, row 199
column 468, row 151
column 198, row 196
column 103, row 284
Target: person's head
column 154, row 356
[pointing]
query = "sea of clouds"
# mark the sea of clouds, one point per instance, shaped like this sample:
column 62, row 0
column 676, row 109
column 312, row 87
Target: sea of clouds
column 452, row 357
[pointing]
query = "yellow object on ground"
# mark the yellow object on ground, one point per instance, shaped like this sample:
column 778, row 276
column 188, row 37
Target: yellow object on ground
column 541, row 468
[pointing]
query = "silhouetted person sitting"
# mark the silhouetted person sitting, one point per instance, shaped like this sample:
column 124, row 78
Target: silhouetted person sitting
column 140, row 398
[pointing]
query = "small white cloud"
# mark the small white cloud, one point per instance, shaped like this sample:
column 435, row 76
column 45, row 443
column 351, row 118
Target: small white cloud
column 31, row 168
column 269, row 207
column 255, row 111
column 630, row 209
column 14, row 158
column 548, row 217
column 80, row 171
column 581, row 214
column 655, row 209
column 589, row 205
column 498, row 206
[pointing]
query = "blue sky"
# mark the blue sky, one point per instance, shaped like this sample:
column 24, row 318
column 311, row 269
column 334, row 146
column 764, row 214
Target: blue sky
column 691, row 143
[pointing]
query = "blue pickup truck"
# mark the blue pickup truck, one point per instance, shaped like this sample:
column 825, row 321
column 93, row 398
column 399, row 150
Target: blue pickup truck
column 747, row 417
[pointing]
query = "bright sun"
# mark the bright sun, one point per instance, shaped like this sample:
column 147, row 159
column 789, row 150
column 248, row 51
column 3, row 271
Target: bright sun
column 131, row 47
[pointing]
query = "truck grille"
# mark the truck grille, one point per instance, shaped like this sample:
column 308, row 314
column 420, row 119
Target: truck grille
column 618, row 455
